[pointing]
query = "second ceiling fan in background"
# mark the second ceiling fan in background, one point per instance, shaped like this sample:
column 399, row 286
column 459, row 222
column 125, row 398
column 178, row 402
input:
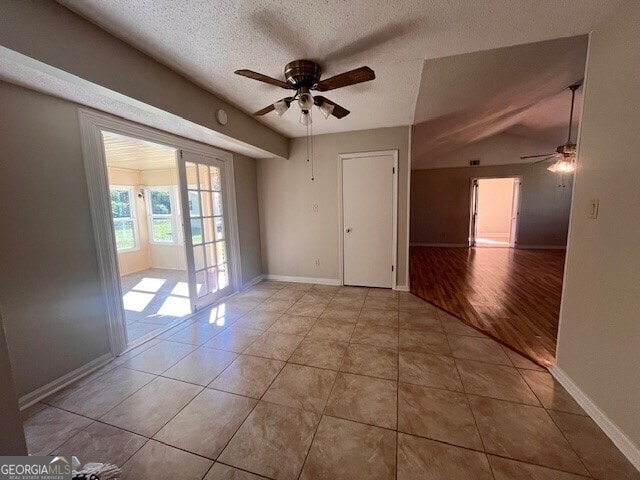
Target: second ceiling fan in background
column 565, row 155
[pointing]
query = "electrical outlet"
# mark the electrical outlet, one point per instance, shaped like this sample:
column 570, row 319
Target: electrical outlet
column 594, row 205
column 315, row 208
column 316, row 262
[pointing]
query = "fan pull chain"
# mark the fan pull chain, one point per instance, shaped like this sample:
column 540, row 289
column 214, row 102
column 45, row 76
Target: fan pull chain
column 312, row 173
column 310, row 148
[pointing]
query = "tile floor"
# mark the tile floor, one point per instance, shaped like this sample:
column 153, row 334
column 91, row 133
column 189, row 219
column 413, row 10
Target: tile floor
column 290, row 381
column 153, row 299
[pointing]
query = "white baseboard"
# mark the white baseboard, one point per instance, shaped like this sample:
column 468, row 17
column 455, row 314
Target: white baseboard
column 40, row 393
column 542, row 247
column 401, row 288
column 253, row 281
column 319, row 281
column 624, row 444
column 464, row 245
column 452, row 245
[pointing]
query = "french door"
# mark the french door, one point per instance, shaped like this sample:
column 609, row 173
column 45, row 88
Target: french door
column 202, row 193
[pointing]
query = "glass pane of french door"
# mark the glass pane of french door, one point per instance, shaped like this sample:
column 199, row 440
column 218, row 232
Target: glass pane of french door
column 205, row 235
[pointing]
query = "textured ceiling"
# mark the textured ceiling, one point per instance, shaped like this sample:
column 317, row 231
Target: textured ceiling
column 207, row 40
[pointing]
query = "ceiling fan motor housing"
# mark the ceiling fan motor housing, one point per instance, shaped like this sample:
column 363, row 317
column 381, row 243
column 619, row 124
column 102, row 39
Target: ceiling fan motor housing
column 302, row 73
column 568, row 149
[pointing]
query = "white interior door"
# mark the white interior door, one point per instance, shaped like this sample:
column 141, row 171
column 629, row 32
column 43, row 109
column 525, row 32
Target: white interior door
column 205, row 227
column 368, row 202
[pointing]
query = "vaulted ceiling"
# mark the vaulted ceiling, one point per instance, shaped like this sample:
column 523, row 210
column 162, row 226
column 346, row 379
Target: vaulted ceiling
column 520, row 89
column 411, row 45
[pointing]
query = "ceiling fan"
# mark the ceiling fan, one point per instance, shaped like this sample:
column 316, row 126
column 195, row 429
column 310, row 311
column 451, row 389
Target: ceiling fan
column 303, row 76
column 565, row 155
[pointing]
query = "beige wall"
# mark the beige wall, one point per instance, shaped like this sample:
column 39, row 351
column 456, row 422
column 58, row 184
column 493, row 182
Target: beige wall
column 13, row 442
column 47, row 31
column 171, row 257
column 148, row 255
column 136, row 260
column 440, row 197
column 245, row 172
column 599, row 341
column 293, row 236
column 55, row 318
column 500, row 149
column 495, row 198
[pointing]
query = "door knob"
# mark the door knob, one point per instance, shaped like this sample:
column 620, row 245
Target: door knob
column 348, row 230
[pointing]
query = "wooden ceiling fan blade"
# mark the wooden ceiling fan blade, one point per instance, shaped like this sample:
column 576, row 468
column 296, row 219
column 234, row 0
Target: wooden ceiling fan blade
column 338, row 110
column 352, row 77
column 263, row 78
column 267, row 109
column 536, row 156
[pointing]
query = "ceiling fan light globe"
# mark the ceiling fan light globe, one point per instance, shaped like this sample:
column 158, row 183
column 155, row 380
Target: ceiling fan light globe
column 327, row 109
column 305, row 117
column 305, row 101
column 281, row 106
column 564, row 165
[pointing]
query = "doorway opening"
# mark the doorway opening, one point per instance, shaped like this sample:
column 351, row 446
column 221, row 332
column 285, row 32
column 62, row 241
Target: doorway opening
column 168, row 268
column 494, row 212
column 147, row 226
column 180, row 206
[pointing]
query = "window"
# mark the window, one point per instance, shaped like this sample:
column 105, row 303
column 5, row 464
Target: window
column 163, row 215
column 123, row 213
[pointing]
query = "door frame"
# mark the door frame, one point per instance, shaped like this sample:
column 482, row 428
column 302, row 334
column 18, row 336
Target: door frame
column 91, row 125
column 515, row 205
column 473, row 211
column 515, row 202
column 394, row 218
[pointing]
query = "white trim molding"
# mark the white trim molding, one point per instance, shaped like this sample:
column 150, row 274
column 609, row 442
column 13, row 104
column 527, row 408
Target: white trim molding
column 451, row 245
column 401, row 288
column 464, row 245
column 286, row 278
column 407, row 280
column 541, row 247
column 95, row 167
column 255, row 280
column 624, row 444
column 58, row 384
